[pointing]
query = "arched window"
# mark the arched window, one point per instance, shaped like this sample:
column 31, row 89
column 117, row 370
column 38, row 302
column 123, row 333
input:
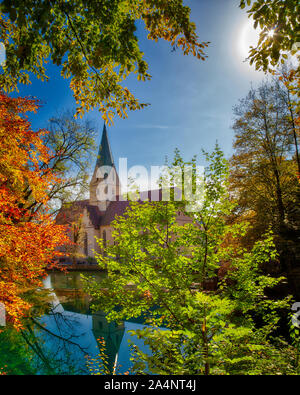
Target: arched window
column 86, row 251
column 104, row 238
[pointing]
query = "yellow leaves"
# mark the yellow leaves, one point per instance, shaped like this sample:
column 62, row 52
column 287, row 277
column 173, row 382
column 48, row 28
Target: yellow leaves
column 28, row 240
column 97, row 48
column 15, row 307
column 107, row 117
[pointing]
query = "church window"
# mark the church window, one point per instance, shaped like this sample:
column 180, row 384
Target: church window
column 104, row 238
column 86, row 252
column 106, row 189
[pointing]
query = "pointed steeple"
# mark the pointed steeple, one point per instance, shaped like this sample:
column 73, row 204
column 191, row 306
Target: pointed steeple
column 104, row 154
column 105, row 181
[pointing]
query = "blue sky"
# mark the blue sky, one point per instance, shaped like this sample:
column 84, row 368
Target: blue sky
column 191, row 100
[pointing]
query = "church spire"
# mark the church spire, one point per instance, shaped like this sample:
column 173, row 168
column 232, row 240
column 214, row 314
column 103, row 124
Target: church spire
column 105, row 182
column 104, row 157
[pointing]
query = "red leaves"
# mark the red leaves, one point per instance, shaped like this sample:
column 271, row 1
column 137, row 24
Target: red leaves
column 28, row 239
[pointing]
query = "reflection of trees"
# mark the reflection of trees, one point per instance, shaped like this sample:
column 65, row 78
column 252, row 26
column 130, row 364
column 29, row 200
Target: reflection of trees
column 57, row 337
column 54, row 352
column 64, row 339
column 61, row 349
column 32, row 342
column 14, row 353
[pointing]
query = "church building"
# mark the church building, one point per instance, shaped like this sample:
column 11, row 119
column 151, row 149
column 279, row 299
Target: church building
column 96, row 214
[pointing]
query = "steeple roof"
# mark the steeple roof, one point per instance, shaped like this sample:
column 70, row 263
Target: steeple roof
column 104, row 157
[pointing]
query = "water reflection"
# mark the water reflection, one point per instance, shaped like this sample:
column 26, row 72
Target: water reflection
column 59, row 341
column 71, row 329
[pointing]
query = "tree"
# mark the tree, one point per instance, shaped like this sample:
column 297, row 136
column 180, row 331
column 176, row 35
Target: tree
column 279, row 24
column 77, row 235
column 264, row 168
column 162, row 270
column 28, row 239
column 72, row 144
column 95, row 42
column 264, row 171
column 290, row 95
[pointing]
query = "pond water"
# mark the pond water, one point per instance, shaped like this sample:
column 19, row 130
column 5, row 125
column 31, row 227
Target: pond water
column 62, row 338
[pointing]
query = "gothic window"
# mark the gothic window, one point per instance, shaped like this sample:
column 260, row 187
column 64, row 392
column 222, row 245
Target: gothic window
column 104, row 238
column 106, row 189
column 86, row 252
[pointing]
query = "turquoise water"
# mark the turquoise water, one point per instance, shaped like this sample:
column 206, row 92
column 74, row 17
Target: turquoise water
column 60, row 341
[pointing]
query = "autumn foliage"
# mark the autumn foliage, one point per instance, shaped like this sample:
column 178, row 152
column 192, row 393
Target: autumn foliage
column 28, row 237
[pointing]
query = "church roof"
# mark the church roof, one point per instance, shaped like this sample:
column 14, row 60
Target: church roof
column 104, row 157
column 98, row 218
column 95, row 215
column 71, row 212
column 118, row 207
column 113, row 210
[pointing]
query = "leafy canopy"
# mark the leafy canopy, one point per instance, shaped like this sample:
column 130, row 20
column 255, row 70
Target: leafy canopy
column 95, row 42
column 281, row 19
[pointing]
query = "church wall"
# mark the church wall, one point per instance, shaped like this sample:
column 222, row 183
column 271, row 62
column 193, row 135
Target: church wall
column 108, row 233
column 92, row 243
column 182, row 219
column 103, row 189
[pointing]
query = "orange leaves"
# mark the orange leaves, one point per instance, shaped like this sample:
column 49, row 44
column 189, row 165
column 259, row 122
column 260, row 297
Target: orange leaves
column 2, row 371
column 147, row 295
column 28, row 238
column 21, row 152
column 14, row 305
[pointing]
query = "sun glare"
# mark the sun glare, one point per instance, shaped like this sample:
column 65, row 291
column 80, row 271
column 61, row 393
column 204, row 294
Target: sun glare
column 249, row 37
column 271, row 33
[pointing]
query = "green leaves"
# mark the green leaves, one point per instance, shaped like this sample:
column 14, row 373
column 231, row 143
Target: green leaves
column 161, row 270
column 94, row 43
column 243, row 3
column 280, row 17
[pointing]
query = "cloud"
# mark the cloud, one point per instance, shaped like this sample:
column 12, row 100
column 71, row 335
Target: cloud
column 150, row 126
